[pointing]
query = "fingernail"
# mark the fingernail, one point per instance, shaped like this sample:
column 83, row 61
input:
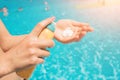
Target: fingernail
column 52, row 18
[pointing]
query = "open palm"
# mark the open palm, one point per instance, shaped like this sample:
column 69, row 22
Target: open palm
column 70, row 31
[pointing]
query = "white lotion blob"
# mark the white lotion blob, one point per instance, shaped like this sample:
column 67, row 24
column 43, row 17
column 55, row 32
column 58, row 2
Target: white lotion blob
column 68, row 32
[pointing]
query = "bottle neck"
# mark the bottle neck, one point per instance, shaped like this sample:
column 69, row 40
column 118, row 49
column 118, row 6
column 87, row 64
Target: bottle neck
column 51, row 26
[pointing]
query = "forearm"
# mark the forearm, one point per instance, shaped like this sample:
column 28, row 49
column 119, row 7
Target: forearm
column 7, row 41
column 4, row 35
column 5, row 65
column 3, row 31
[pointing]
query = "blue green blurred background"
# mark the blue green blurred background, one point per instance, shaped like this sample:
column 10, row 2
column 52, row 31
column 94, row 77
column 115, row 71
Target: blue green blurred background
column 95, row 57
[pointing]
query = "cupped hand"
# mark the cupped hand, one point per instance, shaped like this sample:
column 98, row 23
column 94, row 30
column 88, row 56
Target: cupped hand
column 71, row 31
column 31, row 50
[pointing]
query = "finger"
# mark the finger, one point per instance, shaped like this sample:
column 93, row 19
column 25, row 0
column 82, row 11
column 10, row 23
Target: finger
column 40, row 26
column 87, row 29
column 76, row 23
column 44, row 43
column 90, row 29
column 85, row 26
column 40, row 60
column 37, row 60
column 78, row 30
column 42, row 53
column 77, row 33
column 83, row 33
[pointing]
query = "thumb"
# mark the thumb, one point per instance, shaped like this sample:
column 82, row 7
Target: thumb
column 41, row 25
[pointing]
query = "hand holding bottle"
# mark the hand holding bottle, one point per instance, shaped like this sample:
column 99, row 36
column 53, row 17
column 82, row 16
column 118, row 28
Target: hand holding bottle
column 31, row 49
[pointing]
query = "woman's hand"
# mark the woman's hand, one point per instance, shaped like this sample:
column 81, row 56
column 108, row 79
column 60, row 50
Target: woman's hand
column 75, row 31
column 31, row 50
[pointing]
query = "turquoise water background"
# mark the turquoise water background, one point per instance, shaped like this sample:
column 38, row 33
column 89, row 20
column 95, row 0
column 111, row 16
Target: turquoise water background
column 95, row 57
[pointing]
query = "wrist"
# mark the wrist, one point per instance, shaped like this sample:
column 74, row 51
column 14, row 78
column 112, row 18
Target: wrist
column 5, row 65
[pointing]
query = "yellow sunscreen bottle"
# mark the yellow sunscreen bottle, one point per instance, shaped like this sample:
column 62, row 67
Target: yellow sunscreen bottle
column 47, row 33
